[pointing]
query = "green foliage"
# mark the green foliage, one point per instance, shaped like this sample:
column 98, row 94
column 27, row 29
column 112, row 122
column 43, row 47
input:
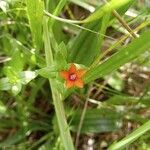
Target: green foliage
column 82, row 43
column 106, row 9
column 41, row 38
column 123, row 56
column 97, row 121
column 14, row 80
column 61, row 57
column 131, row 137
column 90, row 43
column 35, row 14
column 57, row 97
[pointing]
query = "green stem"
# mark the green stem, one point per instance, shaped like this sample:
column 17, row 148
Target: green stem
column 57, row 98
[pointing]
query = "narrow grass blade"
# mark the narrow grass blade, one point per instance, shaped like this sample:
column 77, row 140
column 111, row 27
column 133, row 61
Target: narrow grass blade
column 113, row 4
column 131, row 137
column 82, row 48
column 58, row 9
column 35, row 14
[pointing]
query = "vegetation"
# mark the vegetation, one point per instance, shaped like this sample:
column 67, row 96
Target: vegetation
column 74, row 74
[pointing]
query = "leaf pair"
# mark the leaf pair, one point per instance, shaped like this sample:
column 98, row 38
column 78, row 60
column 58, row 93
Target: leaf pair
column 14, row 81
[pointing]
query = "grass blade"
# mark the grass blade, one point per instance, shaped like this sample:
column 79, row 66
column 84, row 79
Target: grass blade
column 82, row 45
column 107, row 8
column 58, row 9
column 35, row 14
column 131, row 137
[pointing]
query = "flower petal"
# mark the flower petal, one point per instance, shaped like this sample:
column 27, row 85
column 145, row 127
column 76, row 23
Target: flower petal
column 72, row 69
column 79, row 83
column 80, row 72
column 69, row 84
column 64, row 74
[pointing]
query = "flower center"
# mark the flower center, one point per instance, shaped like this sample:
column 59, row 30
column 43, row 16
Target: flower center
column 72, row 77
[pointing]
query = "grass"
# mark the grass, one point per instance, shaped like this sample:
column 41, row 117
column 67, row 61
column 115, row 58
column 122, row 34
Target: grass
column 107, row 39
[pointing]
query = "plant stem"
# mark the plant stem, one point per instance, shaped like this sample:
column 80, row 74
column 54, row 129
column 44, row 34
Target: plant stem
column 121, row 20
column 57, row 98
column 124, row 24
column 82, row 119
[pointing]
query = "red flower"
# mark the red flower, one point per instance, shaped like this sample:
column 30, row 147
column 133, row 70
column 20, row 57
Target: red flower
column 73, row 77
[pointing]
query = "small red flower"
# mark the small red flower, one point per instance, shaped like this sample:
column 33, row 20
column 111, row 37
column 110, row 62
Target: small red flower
column 73, row 77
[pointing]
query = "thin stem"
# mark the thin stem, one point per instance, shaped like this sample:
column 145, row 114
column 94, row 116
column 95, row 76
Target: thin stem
column 124, row 24
column 122, row 21
column 123, row 38
column 73, row 23
column 82, row 119
column 61, row 19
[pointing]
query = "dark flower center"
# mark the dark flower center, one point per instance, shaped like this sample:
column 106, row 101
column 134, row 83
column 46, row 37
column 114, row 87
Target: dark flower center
column 72, row 77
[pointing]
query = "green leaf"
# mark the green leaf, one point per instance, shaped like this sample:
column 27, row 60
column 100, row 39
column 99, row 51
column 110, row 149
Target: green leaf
column 11, row 74
column 26, row 76
column 15, row 80
column 123, row 99
column 61, row 57
column 23, row 77
column 16, row 88
column 87, row 46
column 17, row 61
column 48, row 72
column 63, row 49
column 35, row 13
column 13, row 139
column 107, row 8
column 97, row 121
column 56, row 27
column 4, row 5
column 131, row 137
column 57, row 10
column 82, row 50
column 124, row 55
column 29, row 55
column 3, row 109
column 4, row 84
column 115, row 81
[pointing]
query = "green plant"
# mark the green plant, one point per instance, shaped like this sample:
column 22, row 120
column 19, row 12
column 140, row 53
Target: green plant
column 38, row 43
